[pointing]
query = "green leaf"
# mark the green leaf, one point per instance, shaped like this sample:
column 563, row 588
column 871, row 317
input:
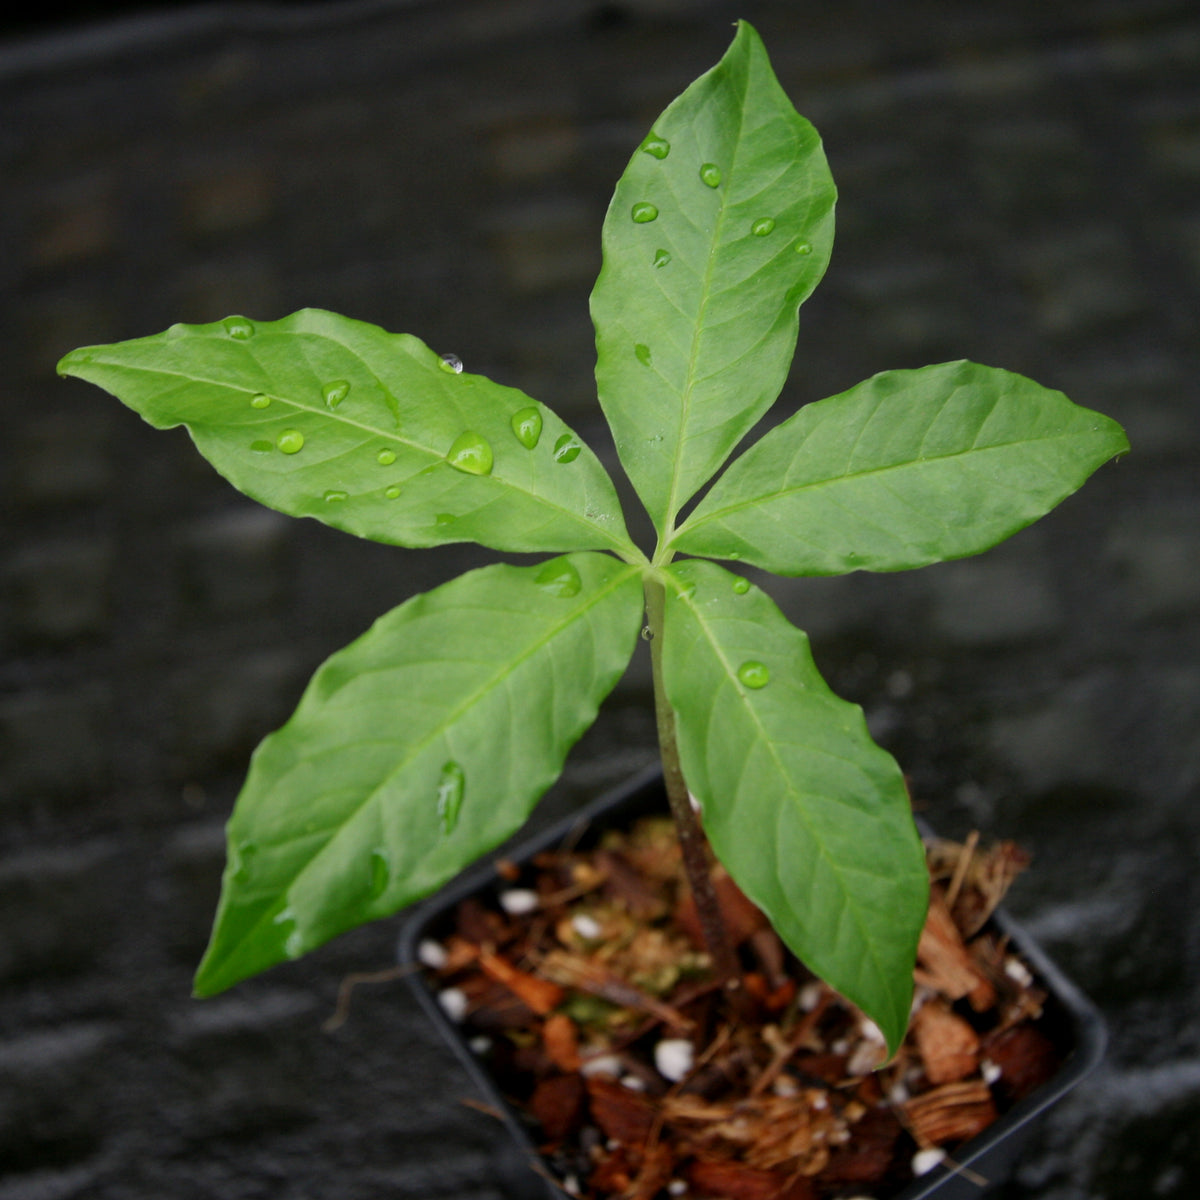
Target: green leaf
column 906, row 468
column 808, row 815
column 414, row 750
column 318, row 415
column 695, row 311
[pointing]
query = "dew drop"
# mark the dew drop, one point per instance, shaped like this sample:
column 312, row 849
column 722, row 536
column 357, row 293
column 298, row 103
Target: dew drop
column 643, row 213
column 527, row 426
column 335, row 391
column 381, row 873
column 260, row 401
column 643, row 354
column 335, row 496
column 560, row 578
column 763, row 226
column 385, row 457
column 656, row 147
column 293, row 942
column 242, row 861
column 238, row 328
column 290, row 441
column 686, row 589
column 741, row 586
column 444, row 519
column 393, row 493
column 470, row 454
column 567, row 448
column 262, row 447
column 451, row 363
column 753, row 674
column 710, row 174
column 662, row 257
column 450, row 790
column 803, row 247
column 647, row 634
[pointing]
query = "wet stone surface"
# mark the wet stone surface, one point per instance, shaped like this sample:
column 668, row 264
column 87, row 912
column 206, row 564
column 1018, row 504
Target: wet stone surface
column 1018, row 185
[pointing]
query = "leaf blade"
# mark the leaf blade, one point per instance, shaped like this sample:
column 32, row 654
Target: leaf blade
column 322, row 416
column 352, row 809
column 809, row 816
column 693, row 349
column 904, row 469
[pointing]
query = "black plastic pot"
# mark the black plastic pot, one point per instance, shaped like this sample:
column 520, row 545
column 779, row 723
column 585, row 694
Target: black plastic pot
column 1071, row 1021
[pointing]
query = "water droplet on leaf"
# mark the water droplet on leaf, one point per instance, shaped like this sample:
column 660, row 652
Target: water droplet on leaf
column 567, row 448
column 710, row 174
column 560, row 578
column 762, row 226
column 643, row 213
column 293, row 942
column 753, row 674
column 290, row 441
column 381, row 873
column 335, row 391
column 444, row 519
column 471, row 454
column 643, row 354
column 647, row 634
column 741, row 586
column 393, row 493
column 260, row 401
column 335, row 496
column 243, row 862
column 662, row 257
column 262, row 447
column 803, row 248
column 450, row 789
column 656, row 146
column 527, row 426
column 238, row 328
column 385, row 458
column 452, row 363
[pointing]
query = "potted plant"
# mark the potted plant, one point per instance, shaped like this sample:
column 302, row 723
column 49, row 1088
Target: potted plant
column 426, row 742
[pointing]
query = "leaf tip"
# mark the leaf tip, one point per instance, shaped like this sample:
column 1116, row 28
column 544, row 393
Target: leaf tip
column 71, row 362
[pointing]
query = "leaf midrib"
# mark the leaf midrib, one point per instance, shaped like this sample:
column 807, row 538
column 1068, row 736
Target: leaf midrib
column 614, row 542
column 497, row 679
column 699, row 518
column 699, row 330
column 766, row 740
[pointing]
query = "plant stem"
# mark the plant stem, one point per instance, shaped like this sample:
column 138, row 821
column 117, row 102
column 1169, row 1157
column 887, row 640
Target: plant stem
column 691, row 837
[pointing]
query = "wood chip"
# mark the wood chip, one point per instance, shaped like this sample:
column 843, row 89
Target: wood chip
column 868, row 1158
column 792, row 1133
column 541, row 995
column 622, row 1114
column 944, row 963
column 1026, row 1059
column 558, row 1104
column 948, row 1046
column 951, row 1113
column 727, row 1180
column 561, row 1040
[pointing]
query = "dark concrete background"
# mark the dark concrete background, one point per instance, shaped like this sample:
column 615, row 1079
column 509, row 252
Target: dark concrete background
column 1020, row 184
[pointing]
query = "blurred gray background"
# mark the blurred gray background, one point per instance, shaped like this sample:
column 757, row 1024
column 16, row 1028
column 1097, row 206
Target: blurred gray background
column 1020, row 185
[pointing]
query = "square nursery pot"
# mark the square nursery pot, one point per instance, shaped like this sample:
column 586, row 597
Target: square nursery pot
column 1069, row 1020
